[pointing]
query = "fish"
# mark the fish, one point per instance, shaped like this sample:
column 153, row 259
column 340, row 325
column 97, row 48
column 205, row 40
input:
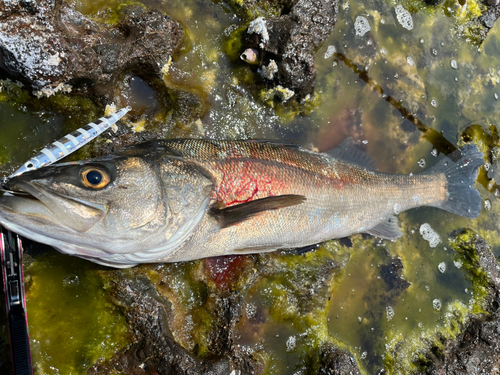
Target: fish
column 185, row 199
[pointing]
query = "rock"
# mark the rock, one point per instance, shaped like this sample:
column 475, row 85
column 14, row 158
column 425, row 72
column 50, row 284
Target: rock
column 335, row 361
column 391, row 274
column 488, row 20
column 46, row 43
column 154, row 350
column 287, row 44
column 477, row 349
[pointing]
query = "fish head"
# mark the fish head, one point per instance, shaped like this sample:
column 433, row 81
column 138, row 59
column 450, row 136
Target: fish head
column 104, row 210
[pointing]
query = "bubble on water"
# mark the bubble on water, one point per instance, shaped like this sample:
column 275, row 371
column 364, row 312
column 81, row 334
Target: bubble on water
column 496, row 96
column 396, row 75
column 361, row 26
column 422, row 40
column 436, row 304
column 434, row 103
column 71, row 280
column 442, row 267
column 330, row 51
column 290, row 343
column 456, row 79
column 487, row 204
column 422, row 162
column 458, row 263
column 454, row 64
column 363, row 355
column 251, row 310
column 434, row 152
column 389, row 311
column 365, row 142
column 404, row 17
column 429, row 235
column 410, row 61
column 383, row 51
column 434, row 52
column 335, row 63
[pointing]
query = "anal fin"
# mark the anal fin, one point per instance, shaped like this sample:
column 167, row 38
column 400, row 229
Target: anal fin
column 236, row 214
column 387, row 229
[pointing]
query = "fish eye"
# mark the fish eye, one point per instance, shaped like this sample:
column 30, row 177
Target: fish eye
column 94, row 177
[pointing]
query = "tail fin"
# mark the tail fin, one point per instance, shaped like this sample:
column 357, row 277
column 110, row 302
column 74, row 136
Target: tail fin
column 460, row 169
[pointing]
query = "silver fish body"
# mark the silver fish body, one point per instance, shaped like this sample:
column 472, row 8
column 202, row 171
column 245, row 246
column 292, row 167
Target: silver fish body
column 184, row 199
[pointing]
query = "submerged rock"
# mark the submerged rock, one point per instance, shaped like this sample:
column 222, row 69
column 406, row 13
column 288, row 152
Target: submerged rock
column 477, row 349
column 335, row 361
column 47, row 43
column 219, row 315
column 154, row 350
column 287, row 43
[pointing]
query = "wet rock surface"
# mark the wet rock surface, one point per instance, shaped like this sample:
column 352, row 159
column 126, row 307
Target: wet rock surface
column 154, row 350
column 47, row 44
column 163, row 338
column 286, row 45
column 477, row 349
column 489, row 17
column 335, row 361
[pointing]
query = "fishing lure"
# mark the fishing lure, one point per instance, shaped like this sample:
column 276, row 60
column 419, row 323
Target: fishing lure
column 70, row 143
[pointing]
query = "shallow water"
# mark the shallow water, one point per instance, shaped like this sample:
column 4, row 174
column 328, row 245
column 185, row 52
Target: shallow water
column 447, row 82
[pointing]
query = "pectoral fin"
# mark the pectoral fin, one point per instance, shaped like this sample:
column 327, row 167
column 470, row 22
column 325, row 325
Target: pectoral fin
column 387, row 229
column 236, row 214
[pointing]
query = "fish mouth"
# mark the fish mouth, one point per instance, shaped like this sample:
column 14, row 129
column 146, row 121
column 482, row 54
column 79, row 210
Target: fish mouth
column 31, row 202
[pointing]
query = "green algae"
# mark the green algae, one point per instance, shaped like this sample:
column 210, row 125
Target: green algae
column 72, row 325
column 233, row 44
column 406, row 354
column 463, row 244
column 104, row 11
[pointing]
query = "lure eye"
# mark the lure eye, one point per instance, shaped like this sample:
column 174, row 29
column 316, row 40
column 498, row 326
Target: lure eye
column 94, row 177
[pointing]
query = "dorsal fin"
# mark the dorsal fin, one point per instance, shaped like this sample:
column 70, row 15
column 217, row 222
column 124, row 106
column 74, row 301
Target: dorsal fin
column 236, row 214
column 286, row 144
column 347, row 151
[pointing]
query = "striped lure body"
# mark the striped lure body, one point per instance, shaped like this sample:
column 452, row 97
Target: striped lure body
column 185, row 199
column 70, row 143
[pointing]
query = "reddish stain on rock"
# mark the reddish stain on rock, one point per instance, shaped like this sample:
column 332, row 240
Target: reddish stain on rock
column 224, row 270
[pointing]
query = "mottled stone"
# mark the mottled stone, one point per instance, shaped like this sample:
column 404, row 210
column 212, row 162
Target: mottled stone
column 290, row 42
column 46, row 43
column 154, row 350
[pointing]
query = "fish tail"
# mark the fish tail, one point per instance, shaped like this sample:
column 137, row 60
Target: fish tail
column 460, row 170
